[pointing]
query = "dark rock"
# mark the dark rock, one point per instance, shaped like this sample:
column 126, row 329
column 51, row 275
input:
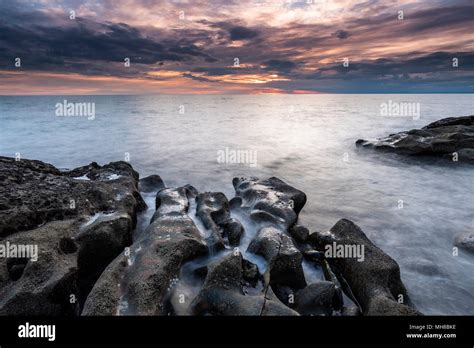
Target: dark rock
column 154, row 263
column 233, row 230
column 299, row 233
column 321, row 298
column 250, row 272
column 80, row 220
column 350, row 311
column 214, row 211
column 283, row 257
column 271, row 201
column 222, row 293
column 442, row 138
column 375, row 281
column 152, row 183
column 465, row 241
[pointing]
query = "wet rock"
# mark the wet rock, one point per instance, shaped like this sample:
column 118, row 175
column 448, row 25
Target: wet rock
column 233, row 230
column 152, row 183
column 299, row 233
column 350, row 311
column 441, row 138
column 154, row 262
column 375, row 281
column 33, row 193
column 321, row 298
column 283, row 257
column 270, row 201
column 222, row 293
column 465, row 240
column 80, row 220
column 250, row 272
column 213, row 210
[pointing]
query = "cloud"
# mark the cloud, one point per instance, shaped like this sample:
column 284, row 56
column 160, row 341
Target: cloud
column 342, row 34
column 242, row 33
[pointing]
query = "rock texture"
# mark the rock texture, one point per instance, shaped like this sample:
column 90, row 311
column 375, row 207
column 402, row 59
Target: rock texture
column 375, row 279
column 451, row 138
column 201, row 254
column 80, row 220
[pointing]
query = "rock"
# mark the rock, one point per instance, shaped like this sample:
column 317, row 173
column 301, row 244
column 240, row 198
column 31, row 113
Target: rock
column 321, row 298
column 212, row 208
column 152, row 183
column 299, row 233
column 80, row 220
column 154, row 262
column 250, row 272
column 214, row 211
column 283, row 257
column 269, row 201
column 375, row 281
column 233, row 230
column 222, row 293
column 350, row 311
column 441, row 138
column 465, row 240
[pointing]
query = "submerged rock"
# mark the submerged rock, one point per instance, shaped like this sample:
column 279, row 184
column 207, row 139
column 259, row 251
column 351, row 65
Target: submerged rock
column 452, row 138
column 79, row 220
column 373, row 278
column 465, row 240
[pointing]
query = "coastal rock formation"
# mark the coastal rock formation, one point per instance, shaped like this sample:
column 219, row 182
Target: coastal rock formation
column 78, row 221
column 373, row 276
column 200, row 254
column 452, row 138
column 153, row 263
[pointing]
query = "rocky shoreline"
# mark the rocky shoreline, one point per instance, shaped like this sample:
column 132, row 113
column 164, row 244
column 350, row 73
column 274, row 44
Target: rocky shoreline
column 244, row 255
column 450, row 138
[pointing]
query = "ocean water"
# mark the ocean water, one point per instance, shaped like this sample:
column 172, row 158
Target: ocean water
column 410, row 208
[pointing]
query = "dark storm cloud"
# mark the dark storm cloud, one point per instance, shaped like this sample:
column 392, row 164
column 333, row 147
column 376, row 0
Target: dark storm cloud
column 435, row 63
column 342, row 34
column 242, row 33
column 42, row 47
column 279, row 65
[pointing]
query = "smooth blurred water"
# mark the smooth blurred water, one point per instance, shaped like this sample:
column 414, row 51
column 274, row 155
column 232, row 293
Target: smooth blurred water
column 306, row 140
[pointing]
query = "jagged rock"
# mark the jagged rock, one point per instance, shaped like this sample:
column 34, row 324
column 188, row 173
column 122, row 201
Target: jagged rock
column 222, row 293
column 154, row 262
column 214, row 212
column 270, row 201
column 80, row 220
column 321, row 298
column 212, row 208
column 250, row 272
column 283, row 257
column 441, row 138
column 299, row 233
column 233, row 230
column 375, row 281
column 151, row 183
column 465, row 241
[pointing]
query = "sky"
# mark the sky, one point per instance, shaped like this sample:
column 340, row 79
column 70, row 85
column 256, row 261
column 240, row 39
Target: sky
column 68, row 47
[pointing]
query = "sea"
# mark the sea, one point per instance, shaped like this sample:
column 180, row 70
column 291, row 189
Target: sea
column 409, row 207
